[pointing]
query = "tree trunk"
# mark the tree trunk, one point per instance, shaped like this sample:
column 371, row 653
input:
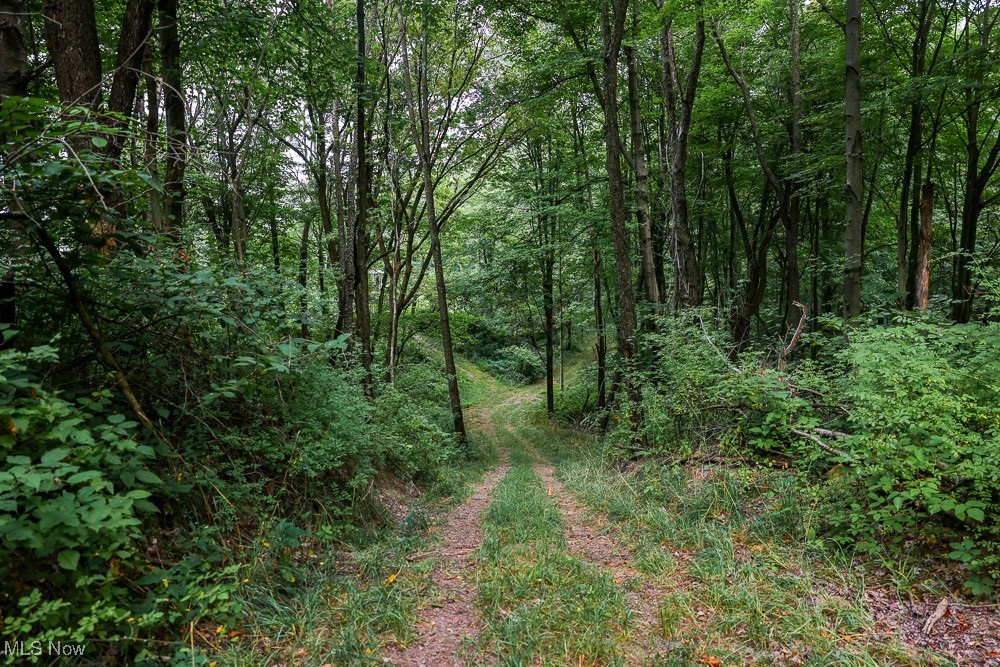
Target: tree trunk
column 923, row 278
column 909, row 206
column 303, row 284
column 602, row 341
column 976, row 177
column 13, row 50
column 548, row 264
column 363, row 318
column 853, row 236
column 854, row 196
column 13, row 65
column 150, row 143
column 613, row 29
column 176, row 133
column 71, row 38
column 133, row 38
column 641, row 187
column 792, row 277
column 422, row 140
column 690, row 287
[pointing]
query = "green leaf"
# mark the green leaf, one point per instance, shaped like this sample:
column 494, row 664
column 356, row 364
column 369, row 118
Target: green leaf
column 152, row 182
column 100, row 142
column 54, row 456
column 975, row 513
column 147, row 477
column 84, row 476
column 69, row 559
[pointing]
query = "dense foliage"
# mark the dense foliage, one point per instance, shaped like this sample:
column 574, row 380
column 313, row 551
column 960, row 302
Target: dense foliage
column 242, row 244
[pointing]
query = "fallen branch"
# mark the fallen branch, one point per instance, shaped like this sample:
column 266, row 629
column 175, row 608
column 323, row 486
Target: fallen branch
column 938, row 614
column 822, row 445
column 827, row 433
column 798, row 332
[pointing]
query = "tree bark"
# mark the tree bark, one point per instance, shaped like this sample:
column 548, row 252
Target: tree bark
column 71, row 38
column 132, row 43
column 13, row 65
column 13, row 50
column 641, row 185
column 174, row 119
column 363, row 317
column 690, row 287
column 792, row 277
column 854, row 194
column 150, row 142
column 303, row 283
column 923, row 277
column 977, row 177
column 909, row 199
column 613, row 33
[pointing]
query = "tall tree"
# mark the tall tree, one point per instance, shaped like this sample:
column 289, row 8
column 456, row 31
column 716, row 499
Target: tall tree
column 419, row 111
column 679, row 95
column 174, row 121
column 854, row 194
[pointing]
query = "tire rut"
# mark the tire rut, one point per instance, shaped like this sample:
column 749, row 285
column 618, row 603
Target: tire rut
column 588, row 538
column 450, row 625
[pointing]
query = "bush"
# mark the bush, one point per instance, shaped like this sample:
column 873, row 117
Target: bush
column 518, row 365
column 901, row 432
column 74, row 488
column 925, row 400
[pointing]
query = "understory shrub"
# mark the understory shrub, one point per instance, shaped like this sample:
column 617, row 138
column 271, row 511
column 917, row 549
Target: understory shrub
column 899, row 431
column 75, row 489
column 518, row 365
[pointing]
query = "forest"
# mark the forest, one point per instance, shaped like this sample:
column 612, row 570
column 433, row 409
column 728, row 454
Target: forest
column 548, row 332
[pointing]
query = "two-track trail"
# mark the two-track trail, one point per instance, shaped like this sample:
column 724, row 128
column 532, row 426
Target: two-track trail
column 579, row 564
column 449, row 625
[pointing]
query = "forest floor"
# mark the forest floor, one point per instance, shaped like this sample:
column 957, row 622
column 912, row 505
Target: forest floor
column 556, row 558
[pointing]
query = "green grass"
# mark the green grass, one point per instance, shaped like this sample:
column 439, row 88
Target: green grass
column 336, row 612
column 540, row 604
column 745, row 580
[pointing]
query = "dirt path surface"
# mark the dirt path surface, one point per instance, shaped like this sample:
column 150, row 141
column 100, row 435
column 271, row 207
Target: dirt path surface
column 449, row 625
column 589, row 539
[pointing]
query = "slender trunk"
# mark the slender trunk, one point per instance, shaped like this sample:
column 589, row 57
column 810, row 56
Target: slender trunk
column 549, row 314
column 613, row 32
column 346, row 232
column 903, row 220
column 133, row 38
column 303, row 285
column 602, row 341
column 923, row 278
column 275, row 247
column 173, row 104
column 854, row 196
column 976, row 178
column 151, row 141
column 580, row 148
column 963, row 291
column 422, row 140
column 792, row 277
column 239, row 222
column 648, row 271
column 690, row 287
column 363, row 319
column 906, row 250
